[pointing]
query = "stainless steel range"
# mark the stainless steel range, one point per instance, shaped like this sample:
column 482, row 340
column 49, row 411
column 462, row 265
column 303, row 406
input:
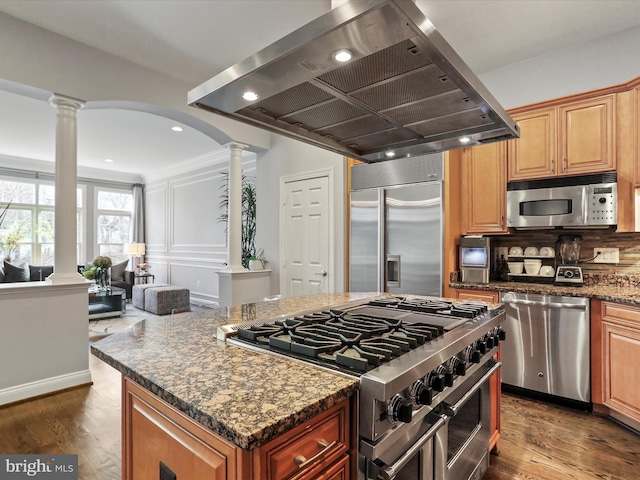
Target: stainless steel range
column 423, row 365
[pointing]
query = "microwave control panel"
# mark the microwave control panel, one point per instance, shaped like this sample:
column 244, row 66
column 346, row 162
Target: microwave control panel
column 603, row 204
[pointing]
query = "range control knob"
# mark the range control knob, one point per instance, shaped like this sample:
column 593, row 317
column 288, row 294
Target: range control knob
column 471, row 355
column 458, row 366
column 421, row 394
column 446, row 374
column 435, row 381
column 502, row 335
column 399, row 410
column 481, row 346
column 490, row 342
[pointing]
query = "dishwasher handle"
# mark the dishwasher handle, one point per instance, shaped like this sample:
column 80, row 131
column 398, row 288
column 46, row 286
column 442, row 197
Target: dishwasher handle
column 570, row 306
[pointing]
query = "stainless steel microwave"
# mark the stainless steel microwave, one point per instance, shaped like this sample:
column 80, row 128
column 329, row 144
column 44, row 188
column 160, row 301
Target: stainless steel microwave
column 570, row 202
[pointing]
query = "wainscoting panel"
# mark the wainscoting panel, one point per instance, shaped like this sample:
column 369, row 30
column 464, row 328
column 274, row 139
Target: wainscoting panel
column 200, row 279
column 195, row 213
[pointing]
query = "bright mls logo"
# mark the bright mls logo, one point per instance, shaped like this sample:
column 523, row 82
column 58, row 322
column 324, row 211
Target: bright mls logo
column 50, row 467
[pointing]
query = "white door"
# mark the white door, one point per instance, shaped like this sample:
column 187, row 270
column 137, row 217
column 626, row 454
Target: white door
column 306, row 233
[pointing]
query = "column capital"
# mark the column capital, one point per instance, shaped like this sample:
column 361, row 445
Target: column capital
column 236, row 146
column 58, row 101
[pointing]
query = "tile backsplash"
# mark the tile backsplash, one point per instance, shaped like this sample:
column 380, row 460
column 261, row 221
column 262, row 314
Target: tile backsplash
column 628, row 243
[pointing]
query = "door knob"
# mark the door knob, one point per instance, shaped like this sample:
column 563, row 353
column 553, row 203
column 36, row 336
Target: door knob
column 323, row 273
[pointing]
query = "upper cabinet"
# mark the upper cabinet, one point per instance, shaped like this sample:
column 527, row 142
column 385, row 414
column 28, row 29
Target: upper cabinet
column 586, row 136
column 484, row 189
column 533, row 155
column 570, row 139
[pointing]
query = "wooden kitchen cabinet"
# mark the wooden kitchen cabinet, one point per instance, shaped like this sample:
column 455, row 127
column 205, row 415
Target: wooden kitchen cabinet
column 490, row 296
column 154, row 431
column 484, row 189
column 615, row 355
column 586, row 136
column 534, row 154
column 572, row 138
column 636, row 133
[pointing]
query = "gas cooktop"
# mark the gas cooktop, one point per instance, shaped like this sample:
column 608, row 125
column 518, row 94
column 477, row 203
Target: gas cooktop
column 357, row 339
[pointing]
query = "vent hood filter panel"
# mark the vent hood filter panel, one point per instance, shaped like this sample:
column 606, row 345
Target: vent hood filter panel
column 405, row 89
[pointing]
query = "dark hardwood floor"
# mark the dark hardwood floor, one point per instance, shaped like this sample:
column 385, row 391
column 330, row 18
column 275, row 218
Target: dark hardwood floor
column 539, row 441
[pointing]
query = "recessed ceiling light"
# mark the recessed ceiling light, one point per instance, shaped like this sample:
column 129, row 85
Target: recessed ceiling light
column 251, row 96
column 464, row 139
column 342, row 55
column 177, row 129
column 390, row 154
column 108, row 160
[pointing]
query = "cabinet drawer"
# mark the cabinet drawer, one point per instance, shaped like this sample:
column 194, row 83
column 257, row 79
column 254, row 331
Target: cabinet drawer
column 622, row 314
column 320, row 441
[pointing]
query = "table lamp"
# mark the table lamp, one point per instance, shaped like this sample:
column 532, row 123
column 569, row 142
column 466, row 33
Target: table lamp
column 135, row 251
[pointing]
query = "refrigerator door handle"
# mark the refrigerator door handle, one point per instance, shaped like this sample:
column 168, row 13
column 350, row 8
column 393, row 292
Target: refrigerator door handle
column 393, row 271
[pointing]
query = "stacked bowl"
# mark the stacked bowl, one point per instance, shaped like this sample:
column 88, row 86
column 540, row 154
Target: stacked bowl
column 532, row 266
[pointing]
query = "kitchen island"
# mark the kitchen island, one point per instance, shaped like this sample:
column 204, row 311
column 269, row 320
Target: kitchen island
column 205, row 408
column 180, row 361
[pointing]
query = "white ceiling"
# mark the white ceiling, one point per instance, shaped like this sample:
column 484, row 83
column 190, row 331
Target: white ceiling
column 194, row 40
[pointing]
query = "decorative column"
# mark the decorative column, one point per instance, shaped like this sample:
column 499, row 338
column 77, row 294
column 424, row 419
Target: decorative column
column 234, row 217
column 65, row 212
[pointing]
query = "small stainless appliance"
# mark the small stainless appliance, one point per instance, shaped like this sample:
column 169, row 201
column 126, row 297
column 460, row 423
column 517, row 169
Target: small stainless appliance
column 396, row 226
column 548, row 351
column 569, row 272
column 423, row 366
column 475, row 259
column 569, row 202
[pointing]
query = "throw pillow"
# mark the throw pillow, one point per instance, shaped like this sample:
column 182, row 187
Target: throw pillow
column 14, row 273
column 117, row 271
column 35, row 272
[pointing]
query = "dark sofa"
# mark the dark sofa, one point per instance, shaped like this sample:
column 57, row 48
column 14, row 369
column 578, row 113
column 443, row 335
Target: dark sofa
column 10, row 273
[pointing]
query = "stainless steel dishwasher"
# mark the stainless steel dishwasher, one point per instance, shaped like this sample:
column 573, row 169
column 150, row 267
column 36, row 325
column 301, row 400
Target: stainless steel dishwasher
column 548, row 347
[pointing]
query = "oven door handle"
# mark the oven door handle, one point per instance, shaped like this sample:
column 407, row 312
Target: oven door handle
column 452, row 410
column 390, row 472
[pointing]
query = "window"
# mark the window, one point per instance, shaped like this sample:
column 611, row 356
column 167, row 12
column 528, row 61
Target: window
column 27, row 234
column 114, row 210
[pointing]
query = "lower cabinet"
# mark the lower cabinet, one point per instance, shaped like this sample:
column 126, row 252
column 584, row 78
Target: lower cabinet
column 157, row 437
column 615, row 355
column 495, row 385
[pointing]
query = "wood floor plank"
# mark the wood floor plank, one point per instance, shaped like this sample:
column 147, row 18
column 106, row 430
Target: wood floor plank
column 539, row 441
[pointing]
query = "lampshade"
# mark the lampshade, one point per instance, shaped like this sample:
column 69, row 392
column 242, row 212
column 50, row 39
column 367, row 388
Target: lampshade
column 134, row 249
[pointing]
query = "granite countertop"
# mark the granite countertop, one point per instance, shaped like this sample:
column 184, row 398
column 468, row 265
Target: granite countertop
column 627, row 294
column 245, row 397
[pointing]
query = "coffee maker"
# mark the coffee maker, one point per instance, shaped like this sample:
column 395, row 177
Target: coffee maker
column 569, row 272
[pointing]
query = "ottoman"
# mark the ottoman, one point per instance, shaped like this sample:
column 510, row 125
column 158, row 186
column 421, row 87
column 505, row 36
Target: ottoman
column 162, row 300
column 137, row 293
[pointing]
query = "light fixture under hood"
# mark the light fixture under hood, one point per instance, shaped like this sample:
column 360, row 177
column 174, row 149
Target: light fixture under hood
column 404, row 89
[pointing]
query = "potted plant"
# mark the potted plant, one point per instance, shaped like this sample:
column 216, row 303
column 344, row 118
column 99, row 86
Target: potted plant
column 99, row 271
column 256, row 262
column 249, row 211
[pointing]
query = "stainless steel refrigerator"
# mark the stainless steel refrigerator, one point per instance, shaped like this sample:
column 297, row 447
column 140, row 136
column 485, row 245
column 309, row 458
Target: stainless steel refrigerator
column 396, row 226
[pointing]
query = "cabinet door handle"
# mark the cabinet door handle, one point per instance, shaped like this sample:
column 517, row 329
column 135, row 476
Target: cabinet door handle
column 501, row 221
column 564, row 164
column 551, row 166
column 302, row 462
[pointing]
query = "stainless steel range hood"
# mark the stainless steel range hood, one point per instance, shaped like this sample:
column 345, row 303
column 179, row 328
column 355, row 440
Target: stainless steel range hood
column 404, row 91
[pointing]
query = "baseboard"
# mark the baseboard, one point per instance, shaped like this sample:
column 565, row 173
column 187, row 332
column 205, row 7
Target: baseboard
column 44, row 386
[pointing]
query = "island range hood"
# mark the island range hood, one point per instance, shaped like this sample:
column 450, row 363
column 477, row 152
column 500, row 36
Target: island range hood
column 404, row 91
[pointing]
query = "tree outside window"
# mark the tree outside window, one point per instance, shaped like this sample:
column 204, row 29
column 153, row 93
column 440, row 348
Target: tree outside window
column 114, row 223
